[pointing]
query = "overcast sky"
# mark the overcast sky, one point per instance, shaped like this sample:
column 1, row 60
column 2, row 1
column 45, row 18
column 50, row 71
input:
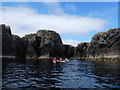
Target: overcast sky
column 74, row 21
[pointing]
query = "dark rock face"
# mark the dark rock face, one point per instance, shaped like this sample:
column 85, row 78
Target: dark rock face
column 69, row 51
column 80, row 50
column 29, row 49
column 11, row 44
column 8, row 48
column 51, row 43
column 105, row 44
column 19, row 48
column 44, row 43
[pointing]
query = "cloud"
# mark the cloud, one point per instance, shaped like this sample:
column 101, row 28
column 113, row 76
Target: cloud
column 53, row 7
column 71, row 7
column 24, row 20
column 71, row 42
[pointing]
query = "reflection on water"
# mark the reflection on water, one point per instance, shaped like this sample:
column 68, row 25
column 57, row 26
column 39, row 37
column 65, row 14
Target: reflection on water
column 70, row 74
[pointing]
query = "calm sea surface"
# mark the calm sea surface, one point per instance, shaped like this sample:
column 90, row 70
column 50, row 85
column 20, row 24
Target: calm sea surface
column 70, row 74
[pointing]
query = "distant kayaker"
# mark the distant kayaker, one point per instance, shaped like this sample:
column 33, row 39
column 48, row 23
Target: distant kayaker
column 66, row 59
column 54, row 60
column 60, row 60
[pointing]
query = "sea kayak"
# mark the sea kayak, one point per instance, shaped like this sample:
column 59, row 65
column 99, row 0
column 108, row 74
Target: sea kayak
column 60, row 61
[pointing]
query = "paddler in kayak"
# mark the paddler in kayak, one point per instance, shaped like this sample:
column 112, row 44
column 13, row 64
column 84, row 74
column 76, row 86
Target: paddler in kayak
column 60, row 60
column 54, row 60
column 66, row 59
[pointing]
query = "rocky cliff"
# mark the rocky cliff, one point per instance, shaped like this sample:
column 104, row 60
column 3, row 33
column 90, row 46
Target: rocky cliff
column 68, row 51
column 12, row 46
column 80, row 50
column 103, row 45
column 44, row 43
column 47, row 43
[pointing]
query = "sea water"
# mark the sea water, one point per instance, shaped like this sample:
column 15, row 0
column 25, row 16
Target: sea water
column 70, row 74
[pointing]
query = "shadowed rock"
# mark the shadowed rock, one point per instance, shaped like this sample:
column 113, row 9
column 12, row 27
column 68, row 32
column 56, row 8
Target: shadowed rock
column 8, row 48
column 69, row 51
column 44, row 43
column 28, row 42
column 47, row 43
column 80, row 50
column 11, row 44
column 18, row 46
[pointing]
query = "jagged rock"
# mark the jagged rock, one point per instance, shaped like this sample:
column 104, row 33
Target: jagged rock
column 44, row 43
column 69, row 51
column 8, row 48
column 51, row 43
column 11, row 44
column 105, row 44
column 80, row 50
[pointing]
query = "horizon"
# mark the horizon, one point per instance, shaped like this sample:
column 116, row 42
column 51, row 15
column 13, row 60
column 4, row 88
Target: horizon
column 74, row 21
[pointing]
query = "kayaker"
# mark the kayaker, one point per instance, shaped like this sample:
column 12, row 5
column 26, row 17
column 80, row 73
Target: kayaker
column 54, row 60
column 66, row 59
column 60, row 60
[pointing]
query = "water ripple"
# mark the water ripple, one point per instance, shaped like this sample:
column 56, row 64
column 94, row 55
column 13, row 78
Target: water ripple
column 71, row 74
